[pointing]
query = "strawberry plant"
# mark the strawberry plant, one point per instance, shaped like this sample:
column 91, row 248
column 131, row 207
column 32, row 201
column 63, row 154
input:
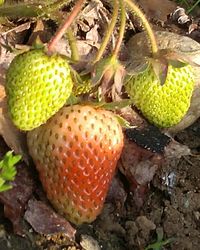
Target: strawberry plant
column 76, row 143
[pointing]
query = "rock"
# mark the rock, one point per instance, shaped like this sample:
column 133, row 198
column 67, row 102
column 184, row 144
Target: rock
column 89, row 243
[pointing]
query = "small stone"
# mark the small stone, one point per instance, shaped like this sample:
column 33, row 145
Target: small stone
column 88, row 243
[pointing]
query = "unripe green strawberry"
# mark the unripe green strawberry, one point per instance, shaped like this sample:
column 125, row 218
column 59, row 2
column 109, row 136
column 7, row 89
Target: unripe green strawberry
column 163, row 105
column 37, row 86
column 76, row 153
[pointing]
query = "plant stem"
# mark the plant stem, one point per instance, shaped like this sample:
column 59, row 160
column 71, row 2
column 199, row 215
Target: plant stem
column 73, row 45
column 122, row 29
column 145, row 23
column 54, row 5
column 65, row 26
column 191, row 9
column 109, row 32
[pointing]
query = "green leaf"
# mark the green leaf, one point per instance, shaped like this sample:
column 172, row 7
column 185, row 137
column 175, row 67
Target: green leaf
column 5, row 187
column 123, row 122
column 8, row 170
column 2, row 181
column 34, row 9
column 158, row 245
column 72, row 100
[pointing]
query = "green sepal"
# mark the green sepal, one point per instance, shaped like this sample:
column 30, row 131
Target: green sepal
column 110, row 63
column 160, row 68
column 72, row 100
column 123, row 122
column 38, row 44
column 116, row 105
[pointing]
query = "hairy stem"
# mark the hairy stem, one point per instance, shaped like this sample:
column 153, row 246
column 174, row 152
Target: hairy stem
column 109, row 31
column 122, row 29
column 145, row 23
column 73, row 45
column 54, row 5
column 61, row 31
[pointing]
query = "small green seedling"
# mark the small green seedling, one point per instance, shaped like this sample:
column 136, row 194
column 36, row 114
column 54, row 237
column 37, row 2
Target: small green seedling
column 8, row 170
column 158, row 245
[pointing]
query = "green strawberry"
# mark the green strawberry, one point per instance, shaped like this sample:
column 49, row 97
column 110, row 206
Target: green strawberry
column 162, row 104
column 76, row 153
column 37, row 86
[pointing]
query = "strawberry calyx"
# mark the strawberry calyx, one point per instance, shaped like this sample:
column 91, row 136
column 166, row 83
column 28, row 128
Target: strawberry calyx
column 108, row 74
column 160, row 64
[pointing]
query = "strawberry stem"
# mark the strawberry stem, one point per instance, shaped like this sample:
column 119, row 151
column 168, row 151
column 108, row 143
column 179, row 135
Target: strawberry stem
column 122, row 29
column 109, row 31
column 145, row 23
column 73, row 46
column 61, row 31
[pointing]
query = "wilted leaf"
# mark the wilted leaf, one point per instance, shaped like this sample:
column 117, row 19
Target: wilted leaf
column 176, row 150
column 116, row 194
column 179, row 16
column 109, row 74
column 141, row 157
column 45, row 221
column 160, row 68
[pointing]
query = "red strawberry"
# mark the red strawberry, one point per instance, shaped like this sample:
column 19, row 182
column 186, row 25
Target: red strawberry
column 76, row 153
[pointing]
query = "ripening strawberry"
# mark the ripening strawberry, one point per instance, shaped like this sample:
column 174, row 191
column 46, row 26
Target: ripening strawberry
column 163, row 104
column 76, row 153
column 37, row 86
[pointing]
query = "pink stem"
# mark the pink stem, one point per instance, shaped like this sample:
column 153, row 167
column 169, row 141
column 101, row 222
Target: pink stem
column 61, row 31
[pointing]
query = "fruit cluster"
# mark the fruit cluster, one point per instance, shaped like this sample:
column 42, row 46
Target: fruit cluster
column 75, row 148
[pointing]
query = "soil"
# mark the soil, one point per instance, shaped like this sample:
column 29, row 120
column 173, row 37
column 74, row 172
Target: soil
column 171, row 208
